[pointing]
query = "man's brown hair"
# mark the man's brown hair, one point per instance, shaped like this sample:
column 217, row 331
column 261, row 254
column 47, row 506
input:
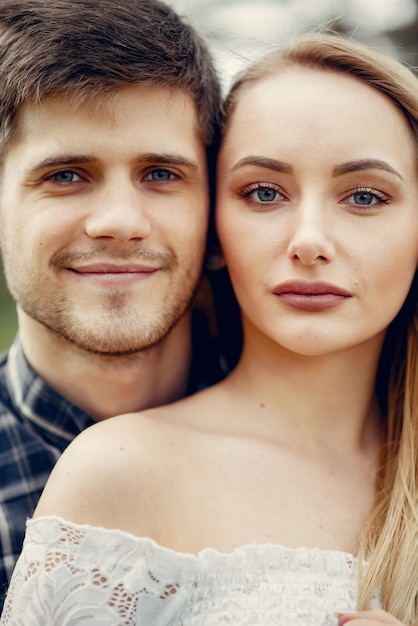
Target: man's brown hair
column 88, row 48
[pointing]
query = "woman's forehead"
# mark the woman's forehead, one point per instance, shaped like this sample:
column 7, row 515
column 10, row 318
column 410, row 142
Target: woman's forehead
column 300, row 114
column 320, row 96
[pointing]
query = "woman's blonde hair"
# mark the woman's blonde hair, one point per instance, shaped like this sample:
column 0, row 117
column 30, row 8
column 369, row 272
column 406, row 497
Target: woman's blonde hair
column 390, row 542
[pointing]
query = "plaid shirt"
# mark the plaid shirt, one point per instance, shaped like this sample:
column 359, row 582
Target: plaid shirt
column 37, row 424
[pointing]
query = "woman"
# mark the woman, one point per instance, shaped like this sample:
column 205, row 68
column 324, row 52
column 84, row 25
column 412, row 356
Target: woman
column 286, row 494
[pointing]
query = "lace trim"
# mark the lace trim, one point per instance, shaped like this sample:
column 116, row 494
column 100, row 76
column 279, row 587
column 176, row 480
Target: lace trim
column 70, row 574
column 73, row 534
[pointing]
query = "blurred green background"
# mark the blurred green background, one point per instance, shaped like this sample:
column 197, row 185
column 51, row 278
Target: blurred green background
column 8, row 322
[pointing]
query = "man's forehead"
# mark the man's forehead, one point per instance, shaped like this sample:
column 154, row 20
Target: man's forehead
column 149, row 105
column 53, row 134
column 108, row 101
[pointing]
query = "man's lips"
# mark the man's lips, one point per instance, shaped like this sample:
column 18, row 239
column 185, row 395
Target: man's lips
column 310, row 295
column 111, row 273
column 112, row 268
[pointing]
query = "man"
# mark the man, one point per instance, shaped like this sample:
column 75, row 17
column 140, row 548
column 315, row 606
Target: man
column 108, row 110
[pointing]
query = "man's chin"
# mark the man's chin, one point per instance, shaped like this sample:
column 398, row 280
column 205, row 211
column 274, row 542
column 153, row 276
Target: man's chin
column 115, row 339
column 116, row 348
column 111, row 342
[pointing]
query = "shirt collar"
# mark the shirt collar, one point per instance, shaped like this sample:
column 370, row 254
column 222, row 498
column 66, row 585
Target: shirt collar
column 58, row 421
column 41, row 408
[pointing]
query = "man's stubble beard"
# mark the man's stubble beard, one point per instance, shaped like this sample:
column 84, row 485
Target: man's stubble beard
column 116, row 330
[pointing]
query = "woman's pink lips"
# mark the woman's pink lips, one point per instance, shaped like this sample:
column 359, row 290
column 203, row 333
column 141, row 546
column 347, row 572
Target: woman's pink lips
column 310, row 295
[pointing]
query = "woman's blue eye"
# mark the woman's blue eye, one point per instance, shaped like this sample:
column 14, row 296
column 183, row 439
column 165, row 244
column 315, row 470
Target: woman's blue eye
column 262, row 193
column 266, row 194
column 364, row 198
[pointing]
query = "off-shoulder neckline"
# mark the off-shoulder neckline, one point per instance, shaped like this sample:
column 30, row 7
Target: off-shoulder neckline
column 214, row 553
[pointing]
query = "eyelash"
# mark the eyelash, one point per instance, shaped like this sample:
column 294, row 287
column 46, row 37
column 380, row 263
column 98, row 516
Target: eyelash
column 378, row 195
column 246, row 192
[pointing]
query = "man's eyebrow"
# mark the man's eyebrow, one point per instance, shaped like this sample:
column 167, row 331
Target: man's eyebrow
column 364, row 164
column 60, row 161
column 166, row 159
column 70, row 160
column 270, row 164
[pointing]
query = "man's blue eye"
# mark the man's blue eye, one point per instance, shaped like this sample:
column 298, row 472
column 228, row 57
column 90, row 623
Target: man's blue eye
column 160, row 175
column 66, row 176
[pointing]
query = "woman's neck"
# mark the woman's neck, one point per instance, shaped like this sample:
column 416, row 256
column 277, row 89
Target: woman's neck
column 320, row 400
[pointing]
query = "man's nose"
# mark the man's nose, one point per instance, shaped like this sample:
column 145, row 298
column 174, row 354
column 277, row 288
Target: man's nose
column 119, row 211
column 310, row 240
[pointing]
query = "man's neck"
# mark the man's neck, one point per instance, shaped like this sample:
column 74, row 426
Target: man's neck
column 108, row 386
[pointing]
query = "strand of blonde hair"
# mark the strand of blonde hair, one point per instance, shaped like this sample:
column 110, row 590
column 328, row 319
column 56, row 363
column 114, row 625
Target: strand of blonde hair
column 391, row 542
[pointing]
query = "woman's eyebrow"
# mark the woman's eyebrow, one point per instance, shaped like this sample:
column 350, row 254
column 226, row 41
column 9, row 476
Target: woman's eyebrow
column 339, row 170
column 364, row 164
column 271, row 164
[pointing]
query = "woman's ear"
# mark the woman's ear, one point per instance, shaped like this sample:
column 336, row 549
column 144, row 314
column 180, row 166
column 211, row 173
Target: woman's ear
column 214, row 259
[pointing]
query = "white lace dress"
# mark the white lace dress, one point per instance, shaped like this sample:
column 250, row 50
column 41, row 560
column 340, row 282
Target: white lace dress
column 69, row 574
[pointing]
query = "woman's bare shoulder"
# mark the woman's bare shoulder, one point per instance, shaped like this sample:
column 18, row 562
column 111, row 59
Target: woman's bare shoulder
column 119, row 469
column 98, row 475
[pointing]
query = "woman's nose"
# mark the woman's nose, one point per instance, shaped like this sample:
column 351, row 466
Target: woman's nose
column 310, row 241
